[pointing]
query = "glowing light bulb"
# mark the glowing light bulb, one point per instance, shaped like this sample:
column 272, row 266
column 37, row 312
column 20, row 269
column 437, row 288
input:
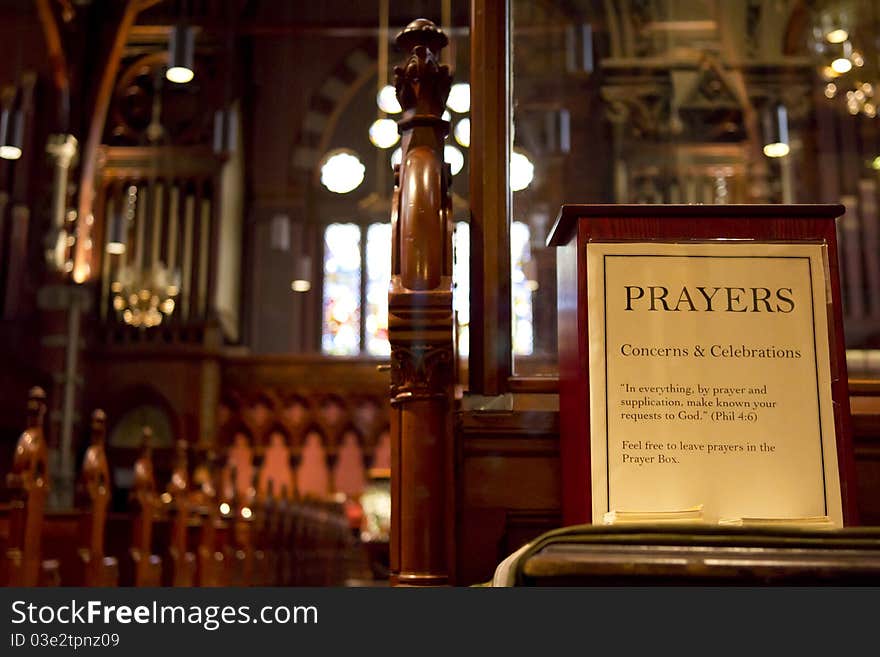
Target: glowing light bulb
column 454, row 158
column 383, row 133
column 396, row 157
column 829, row 73
column 462, row 132
column 386, row 99
column 841, row 65
column 776, row 149
column 342, row 172
column 459, row 98
column 838, row 35
column 179, row 74
column 522, row 171
column 10, row 152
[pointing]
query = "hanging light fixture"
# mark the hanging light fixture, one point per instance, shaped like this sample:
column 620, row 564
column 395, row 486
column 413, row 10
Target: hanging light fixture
column 118, row 227
column 226, row 117
column 181, row 51
column 143, row 298
column 302, row 281
column 11, row 132
column 843, row 58
column 116, row 241
column 225, row 130
column 776, row 142
column 834, row 24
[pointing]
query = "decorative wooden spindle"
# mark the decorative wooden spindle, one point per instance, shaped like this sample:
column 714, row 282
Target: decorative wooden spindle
column 183, row 562
column 420, row 319
column 97, row 569
column 144, row 503
column 211, row 550
column 28, row 483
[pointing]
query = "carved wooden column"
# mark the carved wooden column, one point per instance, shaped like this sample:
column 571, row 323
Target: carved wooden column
column 183, row 561
column 420, row 320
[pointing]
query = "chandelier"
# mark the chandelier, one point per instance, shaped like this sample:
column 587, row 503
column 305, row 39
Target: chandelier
column 840, row 32
column 144, row 297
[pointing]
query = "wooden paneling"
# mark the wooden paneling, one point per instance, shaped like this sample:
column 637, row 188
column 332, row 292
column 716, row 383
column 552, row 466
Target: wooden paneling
column 508, row 473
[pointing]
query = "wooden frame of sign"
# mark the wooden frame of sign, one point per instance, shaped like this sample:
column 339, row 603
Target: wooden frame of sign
column 710, row 370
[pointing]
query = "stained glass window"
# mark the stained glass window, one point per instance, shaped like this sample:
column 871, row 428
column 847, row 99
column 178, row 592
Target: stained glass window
column 378, row 278
column 341, row 335
column 522, row 287
column 342, row 332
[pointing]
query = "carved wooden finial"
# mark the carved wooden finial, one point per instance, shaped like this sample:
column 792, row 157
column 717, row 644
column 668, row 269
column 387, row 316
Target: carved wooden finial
column 179, row 482
column 145, row 502
column 95, row 470
column 144, row 487
column 423, row 32
column 30, row 465
column 99, row 426
column 28, row 483
column 422, row 84
column 147, row 440
column 36, row 407
column 96, row 483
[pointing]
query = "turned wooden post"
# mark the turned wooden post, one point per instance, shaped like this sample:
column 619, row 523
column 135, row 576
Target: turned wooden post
column 28, row 482
column 212, row 549
column 183, row 561
column 144, row 502
column 420, row 320
column 97, row 570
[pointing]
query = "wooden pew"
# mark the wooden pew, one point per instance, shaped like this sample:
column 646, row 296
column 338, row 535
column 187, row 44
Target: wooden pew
column 96, row 568
column 205, row 537
column 28, row 484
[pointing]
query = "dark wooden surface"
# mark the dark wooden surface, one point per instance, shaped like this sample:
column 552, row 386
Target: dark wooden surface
column 705, row 556
column 566, row 220
column 490, row 351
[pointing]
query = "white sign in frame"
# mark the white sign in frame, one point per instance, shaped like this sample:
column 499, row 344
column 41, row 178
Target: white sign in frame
column 710, row 380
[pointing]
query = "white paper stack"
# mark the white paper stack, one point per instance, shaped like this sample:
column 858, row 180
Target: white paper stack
column 679, row 516
column 806, row 522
